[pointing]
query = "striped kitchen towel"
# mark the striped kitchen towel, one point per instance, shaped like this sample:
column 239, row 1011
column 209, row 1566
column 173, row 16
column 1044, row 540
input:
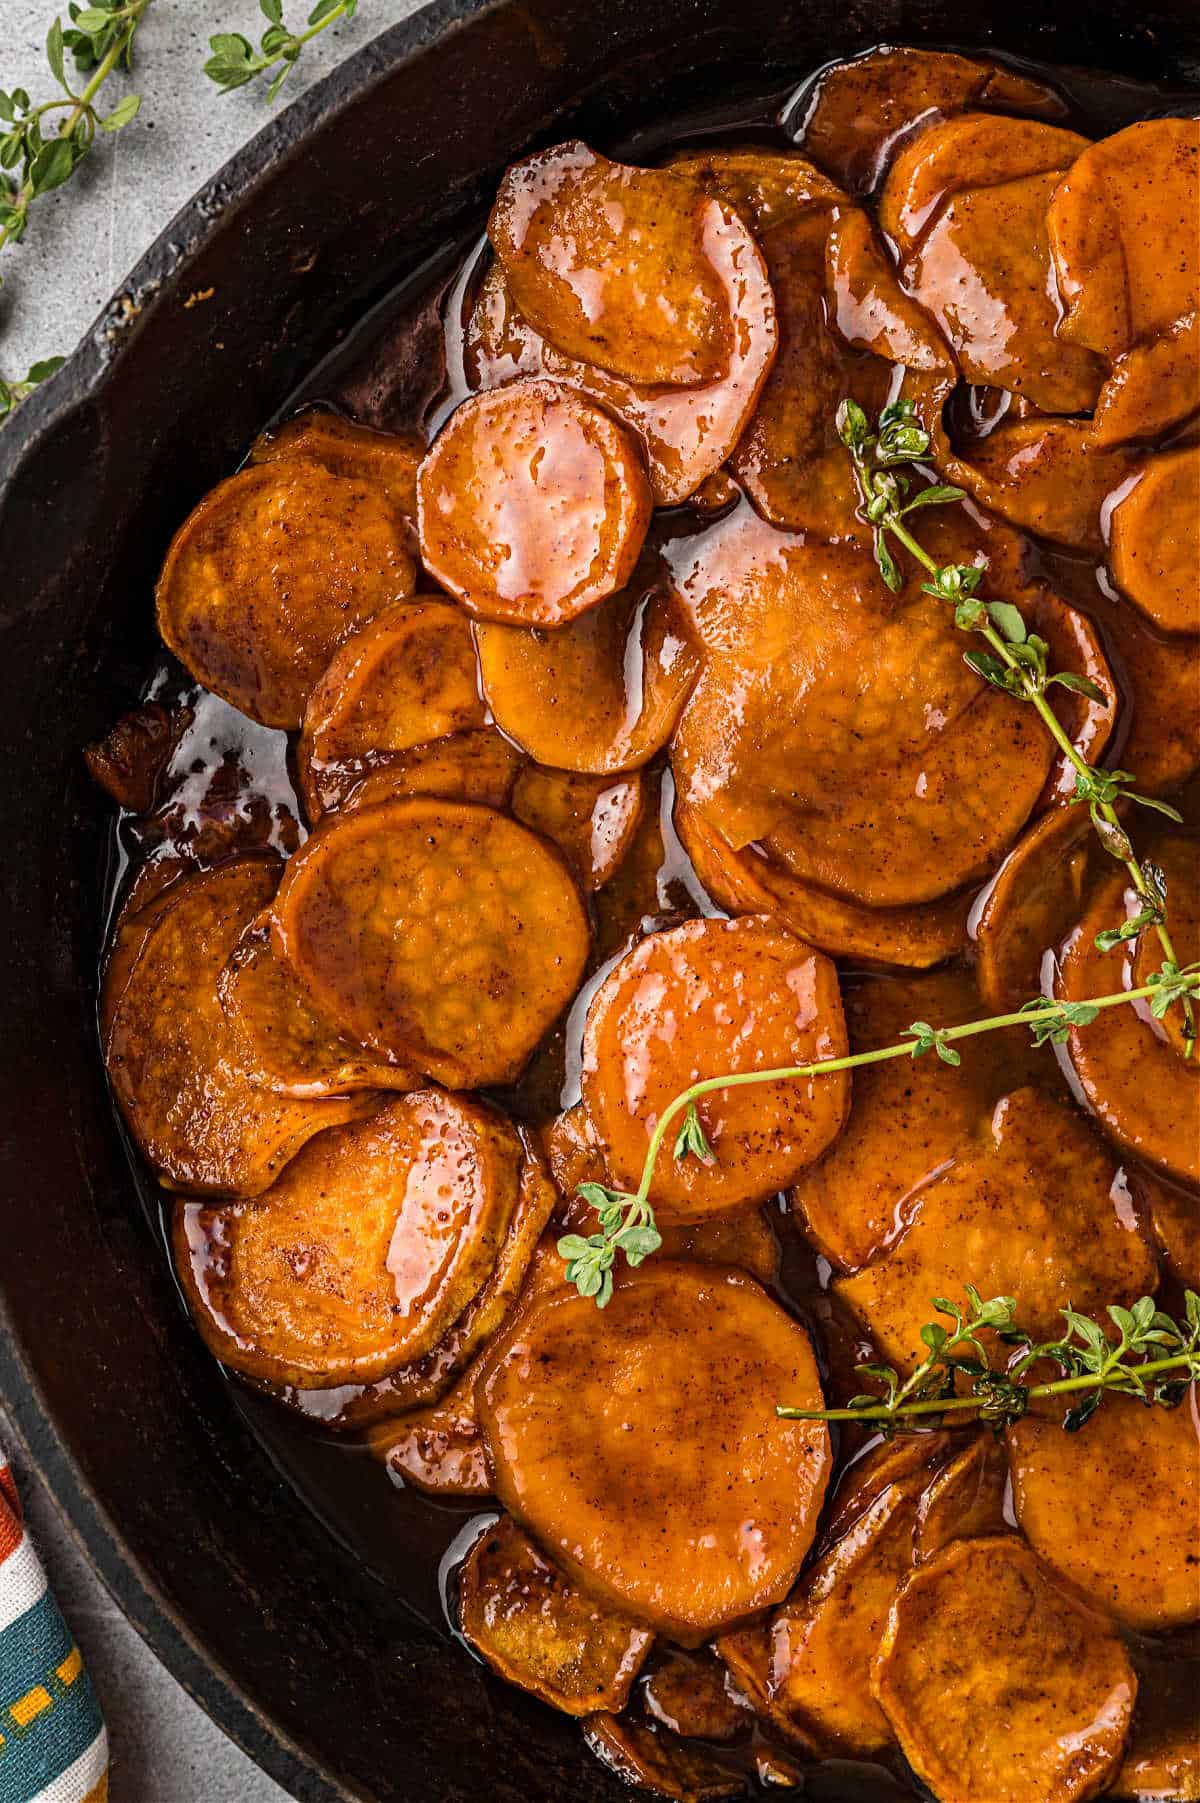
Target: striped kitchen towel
column 53, row 1748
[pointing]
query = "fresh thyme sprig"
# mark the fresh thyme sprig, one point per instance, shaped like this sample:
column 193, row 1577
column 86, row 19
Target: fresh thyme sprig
column 1018, row 660
column 1151, row 1356
column 234, row 60
column 626, row 1218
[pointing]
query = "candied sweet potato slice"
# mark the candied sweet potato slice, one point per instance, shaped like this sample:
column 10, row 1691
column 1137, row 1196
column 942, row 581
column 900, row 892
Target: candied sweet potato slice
column 1030, row 907
column 662, row 1020
column 1139, row 1087
column 609, row 263
column 1162, row 1758
column 130, row 761
column 965, row 1499
column 652, row 1758
column 1081, row 1502
column 766, row 187
column 909, row 1120
column 1047, row 476
column 1175, row 1221
column 1123, row 231
column 591, row 819
column 1035, row 1212
column 1152, row 386
column 172, row 1059
column 538, row 1629
column 361, row 1255
column 600, row 695
column 385, row 460
column 966, row 205
column 702, row 1529
column 687, row 433
column 869, row 307
column 687, row 1693
column 532, row 504
column 283, row 1042
column 438, row 1449
column 746, row 1656
column 862, row 110
column 1037, row 1706
column 407, row 678
column 480, row 765
column 436, row 932
column 1155, row 541
column 273, row 570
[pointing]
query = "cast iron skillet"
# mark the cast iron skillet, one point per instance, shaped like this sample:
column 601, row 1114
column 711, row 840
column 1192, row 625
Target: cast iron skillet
column 316, row 1669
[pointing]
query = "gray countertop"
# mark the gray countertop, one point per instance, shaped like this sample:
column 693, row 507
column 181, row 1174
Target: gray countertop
column 82, row 240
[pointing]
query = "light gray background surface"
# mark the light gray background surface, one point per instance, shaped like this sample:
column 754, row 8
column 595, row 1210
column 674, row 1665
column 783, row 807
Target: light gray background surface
column 82, row 240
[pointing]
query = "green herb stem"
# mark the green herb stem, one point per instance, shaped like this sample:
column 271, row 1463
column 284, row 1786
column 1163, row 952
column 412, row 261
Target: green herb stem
column 1062, row 1386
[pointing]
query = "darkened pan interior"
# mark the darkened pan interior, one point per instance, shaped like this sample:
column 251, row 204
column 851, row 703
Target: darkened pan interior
column 312, row 1665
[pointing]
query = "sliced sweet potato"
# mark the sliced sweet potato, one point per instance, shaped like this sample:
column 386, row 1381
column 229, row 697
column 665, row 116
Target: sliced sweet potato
column 903, row 1460
column 910, row 1120
column 273, row 570
column 1030, row 907
column 283, row 1042
column 1162, row 1758
column 1001, row 1688
column 601, row 695
column 687, row 433
column 869, row 307
column 407, row 678
column 656, row 1760
column 363, row 1253
column 1034, row 1213
column 1139, row 1087
column 385, row 460
column 174, row 1063
column 428, row 1380
column 591, row 819
column 1081, row 1502
column 130, row 761
column 662, row 1020
column 767, row 187
column 966, row 205
column 532, row 504
column 687, row 1693
column 748, row 882
column 1122, row 227
column 438, row 1449
column 965, row 1499
column 1152, row 387
column 699, row 1530
column 1154, row 545
column 481, row 765
column 1047, row 476
column 862, row 110
column 536, row 1628
column 746, row 1656
column 1175, row 1222
column 826, row 1635
column 609, row 263
column 436, row 932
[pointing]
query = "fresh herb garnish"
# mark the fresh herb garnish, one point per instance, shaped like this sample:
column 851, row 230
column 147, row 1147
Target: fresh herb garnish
column 1017, row 662
column 234, row 60
column 1151, row 1356
column 626, row 1218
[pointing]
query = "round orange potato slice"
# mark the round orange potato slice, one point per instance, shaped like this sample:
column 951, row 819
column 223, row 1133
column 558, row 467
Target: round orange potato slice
column 1080, row 1501
column 173, row 1060
column 686, row 433
column 438, row 933
column 966, row 204
column 609, row 264
column 270, row 574
column 664, row 1019
column 701, row 1530
column 862, row 110
column 1034, row 1211
column 1047, row 476
column 869, row 307
column 1037, row 1706
column 766, row 187
column 600, row 695
column 1154, row 545
column 1152, row 387
column 965, row 1500
column 283, row 1043
column 649, row 1756
column 532, row 504
column 384, row 460
column 1122, row 228
column 438, row 1450
column 1029, row 907
column 479, row 765
column 368, row 1247
column 687, row 1693
column 407, row 678
column 590, row 818
column 538, row 1629
column 1141, row 1089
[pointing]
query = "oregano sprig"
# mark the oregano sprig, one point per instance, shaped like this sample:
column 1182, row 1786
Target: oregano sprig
column 1018, row 661
column 235, row 61
column 626, row 1221
column 1144, row 1352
